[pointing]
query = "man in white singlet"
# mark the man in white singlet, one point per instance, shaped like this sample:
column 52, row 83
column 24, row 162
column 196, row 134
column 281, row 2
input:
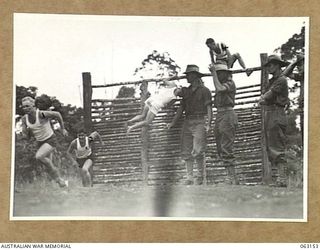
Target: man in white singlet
column 38, row 123
column 220, row 54
column 81, row 146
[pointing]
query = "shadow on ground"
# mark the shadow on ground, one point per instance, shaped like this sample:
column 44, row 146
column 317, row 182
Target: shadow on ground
column 212, row 201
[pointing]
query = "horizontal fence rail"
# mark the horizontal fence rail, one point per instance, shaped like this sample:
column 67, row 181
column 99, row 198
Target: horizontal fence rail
column 120, row 161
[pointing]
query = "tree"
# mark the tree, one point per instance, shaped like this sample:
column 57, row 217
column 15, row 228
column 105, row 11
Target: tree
column 289, row 51
column 157, row 65
column 295, row 45
column 126, row 92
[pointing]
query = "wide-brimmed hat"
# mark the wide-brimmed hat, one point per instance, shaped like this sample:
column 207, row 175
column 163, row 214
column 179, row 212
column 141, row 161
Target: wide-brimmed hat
column 221, row 67
column 277, row 59
column 193, row 68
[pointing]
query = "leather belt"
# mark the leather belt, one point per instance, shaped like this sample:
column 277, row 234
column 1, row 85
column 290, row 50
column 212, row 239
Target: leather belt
column 195, row 116
column 221, row 109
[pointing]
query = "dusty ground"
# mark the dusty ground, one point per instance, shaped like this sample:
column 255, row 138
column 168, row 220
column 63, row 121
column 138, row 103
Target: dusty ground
column 216, row 201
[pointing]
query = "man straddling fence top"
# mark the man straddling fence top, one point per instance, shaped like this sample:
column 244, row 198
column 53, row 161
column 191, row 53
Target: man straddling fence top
column 83, row 150
column 196, row 103
column 275, row 100
column 38, row 122
column 226, row 119
column 220, row 54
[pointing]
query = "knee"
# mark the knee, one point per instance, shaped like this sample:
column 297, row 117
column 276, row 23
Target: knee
column 237, row 55
column 85, row 171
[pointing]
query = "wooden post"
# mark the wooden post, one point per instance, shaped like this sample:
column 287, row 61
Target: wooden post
column 266, row 168
column 87, row 97
column 144, row 134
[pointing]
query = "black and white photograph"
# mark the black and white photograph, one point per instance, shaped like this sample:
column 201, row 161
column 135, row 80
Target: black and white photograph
column 159, row 118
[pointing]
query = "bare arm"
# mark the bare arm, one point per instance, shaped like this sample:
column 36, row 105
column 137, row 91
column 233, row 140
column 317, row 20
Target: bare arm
column 218, row 86
column 209, row 111
column 95, row 135
column 70, row 150
column 176, row 117
column 25, row 130
column 54, row 115
column 288, row 70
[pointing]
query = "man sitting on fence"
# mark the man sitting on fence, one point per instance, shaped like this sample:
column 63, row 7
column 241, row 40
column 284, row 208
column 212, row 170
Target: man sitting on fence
column 154, row 104
column 196, row 104
column 83, row 151
column 220, row 54
column 39, row 123
column 226, row 120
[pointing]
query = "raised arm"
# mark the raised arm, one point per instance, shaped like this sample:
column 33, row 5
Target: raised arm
column 288, row 70
column 94, row 135
column 218, row 86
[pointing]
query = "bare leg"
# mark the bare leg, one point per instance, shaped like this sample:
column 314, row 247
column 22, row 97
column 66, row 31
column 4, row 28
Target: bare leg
column 233, row 58
column 147, row 121
column 85, row 173
column 43, row 155
column 140, row 117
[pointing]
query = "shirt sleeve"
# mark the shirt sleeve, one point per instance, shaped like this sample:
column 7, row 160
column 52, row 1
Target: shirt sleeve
column 280, row 85
column 230, row 86
column 207, row 97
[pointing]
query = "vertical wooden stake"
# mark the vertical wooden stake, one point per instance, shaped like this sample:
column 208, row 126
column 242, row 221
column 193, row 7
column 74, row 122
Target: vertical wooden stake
column 144, row 134
column 87, row 98
column 266, row 167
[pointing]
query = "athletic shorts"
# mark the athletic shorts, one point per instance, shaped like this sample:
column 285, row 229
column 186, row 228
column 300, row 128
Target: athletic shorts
column 81, row 161
column 153, row 106
column 52, row 141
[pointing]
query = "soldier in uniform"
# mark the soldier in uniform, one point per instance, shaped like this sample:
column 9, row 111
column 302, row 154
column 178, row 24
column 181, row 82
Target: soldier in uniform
column 196, row 104
column 275, row 100
column 226, row 120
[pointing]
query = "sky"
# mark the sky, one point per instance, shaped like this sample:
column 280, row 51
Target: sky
column 52, row 50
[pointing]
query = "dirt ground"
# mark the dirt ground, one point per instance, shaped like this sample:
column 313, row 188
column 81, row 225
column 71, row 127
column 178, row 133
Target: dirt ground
column 214, row 201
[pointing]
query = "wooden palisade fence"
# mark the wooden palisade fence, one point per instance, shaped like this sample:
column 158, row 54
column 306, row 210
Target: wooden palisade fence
column 153, row 153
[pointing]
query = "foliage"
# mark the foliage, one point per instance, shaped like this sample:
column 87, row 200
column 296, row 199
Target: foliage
column 157, row 65
column 126, row 92
column 294, row 46
column 292, row 116
column 290, row 49
column 27, row 169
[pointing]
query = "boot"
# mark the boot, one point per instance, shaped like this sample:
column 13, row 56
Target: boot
column 189, row 166
column 200, row 163
column 232, row 177
column 282, row 179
